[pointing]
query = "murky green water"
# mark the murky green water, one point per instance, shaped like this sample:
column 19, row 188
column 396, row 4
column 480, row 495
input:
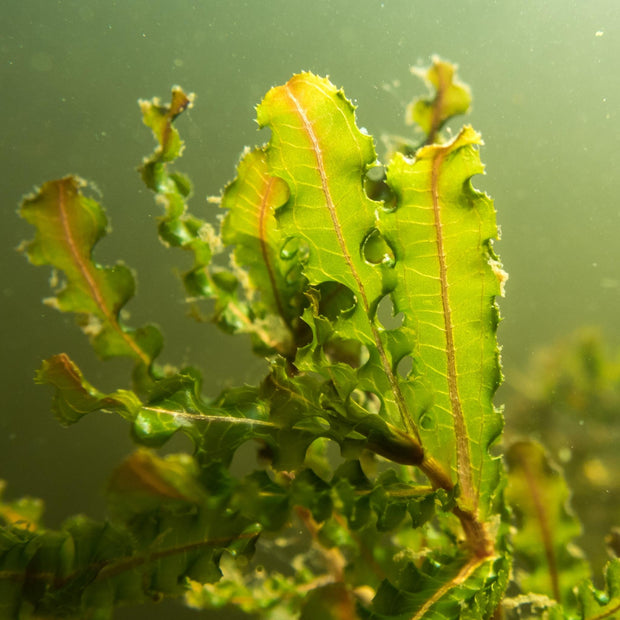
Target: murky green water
column 546, row 99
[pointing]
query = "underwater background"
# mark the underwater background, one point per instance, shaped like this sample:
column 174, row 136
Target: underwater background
column 546, row 87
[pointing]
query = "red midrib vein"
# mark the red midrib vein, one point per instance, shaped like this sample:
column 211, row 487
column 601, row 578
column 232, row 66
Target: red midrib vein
column 545, row 528
column 331, row 207
column 463, row 460
column 89, row 278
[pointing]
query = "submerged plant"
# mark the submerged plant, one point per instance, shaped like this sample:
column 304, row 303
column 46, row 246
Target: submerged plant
column 371, row 292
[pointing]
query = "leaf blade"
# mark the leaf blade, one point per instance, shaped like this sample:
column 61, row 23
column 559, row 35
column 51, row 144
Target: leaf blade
column 68, row 225
column 318, row 150
column 273, row 269
column 449, row 277
column 545, row 540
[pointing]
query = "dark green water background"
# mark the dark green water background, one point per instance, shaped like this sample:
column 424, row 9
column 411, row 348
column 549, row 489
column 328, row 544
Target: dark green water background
column 546, row 84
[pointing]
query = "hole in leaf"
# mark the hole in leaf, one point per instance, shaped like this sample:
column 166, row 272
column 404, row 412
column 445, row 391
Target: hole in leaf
column 294, row 274
column 358, row 396
column 335, row 299
column 346, row 351
column 427, row 422
column 377, row 189
column 376, row 250
column 294, row 247
column 405, row 365
column 366, row 400
column 323, row 452
column 386, row 316
column 179, row 443
column 364, row 354
column 244, row 459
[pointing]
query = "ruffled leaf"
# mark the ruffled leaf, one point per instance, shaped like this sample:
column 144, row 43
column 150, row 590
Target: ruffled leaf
column 314, row 263
column 321, row 154
column 449, row 98
column 547, row 560
column 177, row 227
column 274, row 286
column 69, row 224
column 595, row 604
column 167, row 528
column 448, row 277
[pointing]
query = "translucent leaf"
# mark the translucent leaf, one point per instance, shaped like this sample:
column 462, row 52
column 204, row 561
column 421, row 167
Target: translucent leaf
column 264, row 302
column 272, row 266
column 69, row 224
column 450, row 97
column 318, row 150
column 315, row 264
column 430, row 251
column 74, row 397
column 448, row 277
column 159, row 117
column 217, row 427
column 547, row 560
column 177, row 227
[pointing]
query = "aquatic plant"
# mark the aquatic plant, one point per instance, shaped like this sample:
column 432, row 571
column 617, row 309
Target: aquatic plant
column 371, row 292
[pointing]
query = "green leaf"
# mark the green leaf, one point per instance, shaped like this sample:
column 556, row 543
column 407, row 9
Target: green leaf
column 159, row 117
column 547, row 559
column 597, row 605
column 217, row 427
column 177, row 227
column 307, row 402
column 74, row 397
column 429, row 252
column 143, row 481
column 272, row 266
column 450, row 98
column 318, row 150
column 69, row 224
column 316, row 268
column 321, row 154
column 167, row 529
column 271, row 316
column 448, row 277
column 456, row 590
column 432, row 253
column 386, row 501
